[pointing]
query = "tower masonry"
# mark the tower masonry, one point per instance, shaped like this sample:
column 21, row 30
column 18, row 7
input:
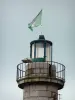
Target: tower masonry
column 39, row 76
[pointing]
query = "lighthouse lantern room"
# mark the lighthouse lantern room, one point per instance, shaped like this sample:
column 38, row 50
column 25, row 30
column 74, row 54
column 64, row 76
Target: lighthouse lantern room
column 41, row 50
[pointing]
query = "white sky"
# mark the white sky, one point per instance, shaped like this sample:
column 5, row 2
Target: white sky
column 58, row 22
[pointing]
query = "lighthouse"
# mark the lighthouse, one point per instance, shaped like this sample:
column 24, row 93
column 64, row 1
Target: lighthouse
column 39, row 76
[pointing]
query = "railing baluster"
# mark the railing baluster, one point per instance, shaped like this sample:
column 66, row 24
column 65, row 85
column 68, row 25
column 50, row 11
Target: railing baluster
column 64, row 72
column 60, row 70
column 57, row 71
column 17, row 74
column 24, row 70
column 20, row 70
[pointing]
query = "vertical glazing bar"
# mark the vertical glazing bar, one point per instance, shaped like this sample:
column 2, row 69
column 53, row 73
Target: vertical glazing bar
column 30, row 51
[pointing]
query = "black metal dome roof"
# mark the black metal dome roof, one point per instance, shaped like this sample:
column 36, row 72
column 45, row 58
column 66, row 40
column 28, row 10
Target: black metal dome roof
column 41, row 39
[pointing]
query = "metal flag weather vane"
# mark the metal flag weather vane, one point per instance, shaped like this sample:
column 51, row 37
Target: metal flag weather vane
column 36, row 21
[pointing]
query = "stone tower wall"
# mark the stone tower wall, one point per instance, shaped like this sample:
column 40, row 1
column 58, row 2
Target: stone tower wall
column 40, row 92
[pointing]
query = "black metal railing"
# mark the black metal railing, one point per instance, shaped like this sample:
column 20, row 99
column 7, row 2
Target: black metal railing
column 47, row 69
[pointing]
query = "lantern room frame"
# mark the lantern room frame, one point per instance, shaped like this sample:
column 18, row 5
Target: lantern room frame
column 44, row 42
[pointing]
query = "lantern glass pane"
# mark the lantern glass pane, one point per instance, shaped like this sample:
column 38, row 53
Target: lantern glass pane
column 33, row 51
column 39, row 50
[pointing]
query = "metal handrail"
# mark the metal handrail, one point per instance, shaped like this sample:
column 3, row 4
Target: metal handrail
column 60, row 70
column 46, row 61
